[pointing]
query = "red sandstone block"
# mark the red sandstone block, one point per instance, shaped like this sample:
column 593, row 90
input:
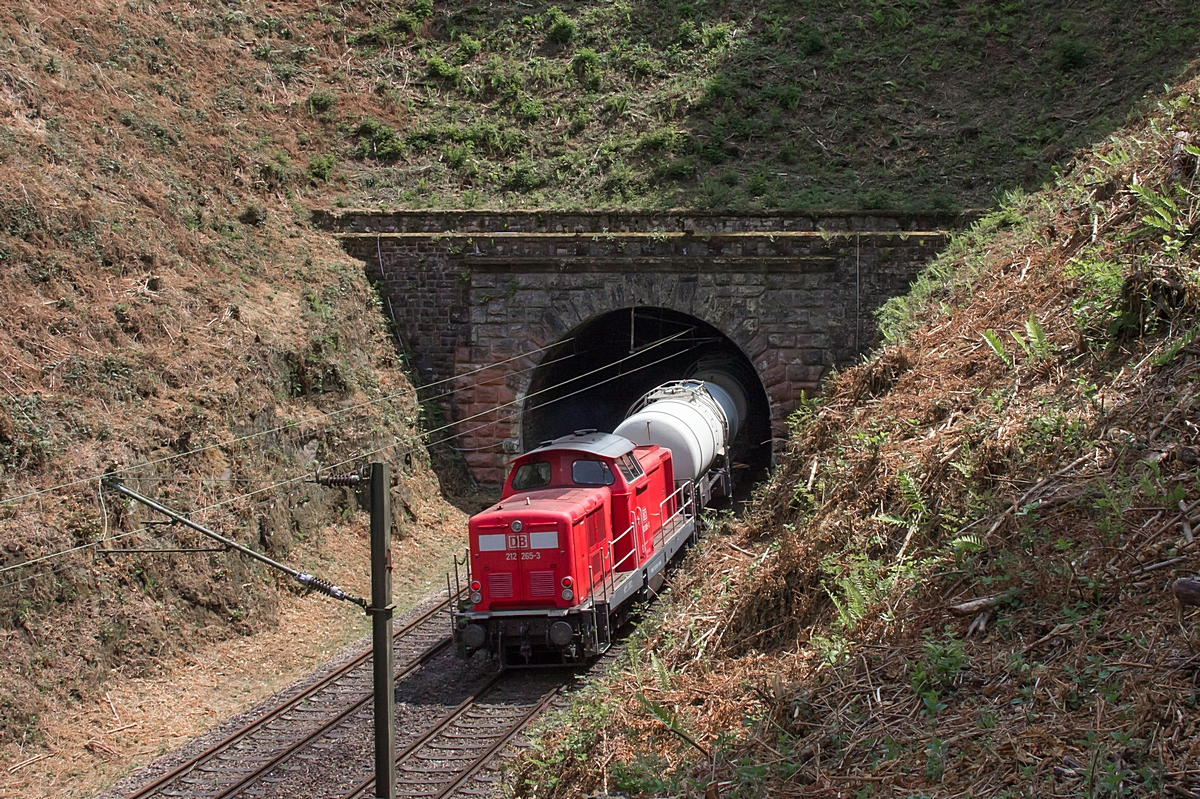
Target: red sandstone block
column 798, row 372
column 489, row 478
column 481, row 460
column 773, row 375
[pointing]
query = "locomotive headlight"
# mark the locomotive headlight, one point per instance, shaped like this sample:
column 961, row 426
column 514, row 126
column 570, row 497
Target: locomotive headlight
column 566, row 581
column 561, row 633
column 516, row 525
column 475, row 585
column 568, row 594
column 476, row 597
column 474, row 636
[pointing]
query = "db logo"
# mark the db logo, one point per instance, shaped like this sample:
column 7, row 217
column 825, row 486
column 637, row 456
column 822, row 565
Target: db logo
column 518, row 541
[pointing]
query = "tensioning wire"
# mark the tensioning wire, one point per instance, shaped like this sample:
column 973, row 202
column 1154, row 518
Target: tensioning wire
column 249, row 436
column 410, row 442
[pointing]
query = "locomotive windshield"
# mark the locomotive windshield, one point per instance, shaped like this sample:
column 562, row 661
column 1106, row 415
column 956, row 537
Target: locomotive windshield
column 531, row 475
column 591, row 473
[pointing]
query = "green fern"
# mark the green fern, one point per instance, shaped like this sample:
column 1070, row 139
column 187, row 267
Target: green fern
column 658, row 711
column 845, row 617
column 635, row 656
column 967, row 543
column 660, row 671
column 916, row 511
column 1163, row 210
column 997, row 346
column 912, row 495
column 1037, row 338
column 1177, row 346
column 862, row 583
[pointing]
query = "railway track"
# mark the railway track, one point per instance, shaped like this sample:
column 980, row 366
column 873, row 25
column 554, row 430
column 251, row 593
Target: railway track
column 250, row 753
column 453, row 720
column 446, row 757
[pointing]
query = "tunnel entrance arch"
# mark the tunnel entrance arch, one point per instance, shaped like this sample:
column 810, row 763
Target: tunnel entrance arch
column 592, row 376
column 477, row 296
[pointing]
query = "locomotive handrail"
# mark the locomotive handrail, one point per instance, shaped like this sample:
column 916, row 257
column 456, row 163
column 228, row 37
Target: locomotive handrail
column 633, row 551
column 687, row 490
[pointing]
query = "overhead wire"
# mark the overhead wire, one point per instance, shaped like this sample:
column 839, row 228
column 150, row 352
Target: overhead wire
column 80, row 548
column 567, row 396
column 260, row 433
column 411, row 441
column 444, row 394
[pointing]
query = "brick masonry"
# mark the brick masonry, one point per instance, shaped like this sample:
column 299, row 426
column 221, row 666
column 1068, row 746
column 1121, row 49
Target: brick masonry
column 472, row 291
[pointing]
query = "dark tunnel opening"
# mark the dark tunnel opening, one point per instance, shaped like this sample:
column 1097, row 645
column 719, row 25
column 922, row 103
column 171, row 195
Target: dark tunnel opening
column 592, row 377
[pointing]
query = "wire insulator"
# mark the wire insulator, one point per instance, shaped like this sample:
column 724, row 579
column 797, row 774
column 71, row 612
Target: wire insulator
column 340, row 479
column 329, row 589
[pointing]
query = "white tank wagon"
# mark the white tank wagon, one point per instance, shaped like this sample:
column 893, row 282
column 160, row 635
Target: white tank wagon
column 697, row 421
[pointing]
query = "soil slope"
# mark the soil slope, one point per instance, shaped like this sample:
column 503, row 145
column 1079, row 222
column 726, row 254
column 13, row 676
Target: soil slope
column 168, row 312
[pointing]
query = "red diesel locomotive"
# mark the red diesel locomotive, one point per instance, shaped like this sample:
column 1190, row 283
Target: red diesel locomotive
column 588, row 522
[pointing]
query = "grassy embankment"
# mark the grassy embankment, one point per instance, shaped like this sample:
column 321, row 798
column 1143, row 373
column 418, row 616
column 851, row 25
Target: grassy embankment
column 715, row 104
column 1026, row 439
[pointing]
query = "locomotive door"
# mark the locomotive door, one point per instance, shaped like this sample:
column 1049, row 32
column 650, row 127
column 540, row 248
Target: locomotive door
column 644, row 520
column 598, row 555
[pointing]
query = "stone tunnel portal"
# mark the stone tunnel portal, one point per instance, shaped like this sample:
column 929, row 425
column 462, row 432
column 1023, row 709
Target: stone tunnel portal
column 592, row 376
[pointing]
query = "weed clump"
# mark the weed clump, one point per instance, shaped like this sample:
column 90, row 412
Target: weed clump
column 524, row 176
column 1072, row 55
column 560, row 29
column 320, row 167
column 378, row 140
column 320, row 101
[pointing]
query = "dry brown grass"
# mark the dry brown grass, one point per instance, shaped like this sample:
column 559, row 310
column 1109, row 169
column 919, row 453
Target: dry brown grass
column 164, row 294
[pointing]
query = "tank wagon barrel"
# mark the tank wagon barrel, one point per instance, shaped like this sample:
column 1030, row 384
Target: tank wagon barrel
column 697, row 421
column 588, row 522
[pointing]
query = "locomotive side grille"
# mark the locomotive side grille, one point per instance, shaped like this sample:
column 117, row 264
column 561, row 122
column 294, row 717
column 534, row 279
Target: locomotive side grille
column 541, row 584
column 500, row 585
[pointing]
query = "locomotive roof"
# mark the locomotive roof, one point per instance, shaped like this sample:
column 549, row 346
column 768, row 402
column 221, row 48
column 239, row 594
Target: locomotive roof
column 606, row 445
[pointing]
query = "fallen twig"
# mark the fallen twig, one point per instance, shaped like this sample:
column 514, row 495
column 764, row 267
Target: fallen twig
column 974, row 606
column 27, row 762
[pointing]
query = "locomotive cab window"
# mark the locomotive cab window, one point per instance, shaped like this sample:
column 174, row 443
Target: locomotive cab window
column 531, row 475
column 630, row 468
column 591, row 473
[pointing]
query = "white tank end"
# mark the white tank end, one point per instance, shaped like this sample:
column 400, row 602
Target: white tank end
column 687, row 417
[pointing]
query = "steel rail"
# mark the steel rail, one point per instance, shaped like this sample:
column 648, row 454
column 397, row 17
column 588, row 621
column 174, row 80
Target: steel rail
column 282, row 757
column 216, row 749
column 359, row 791
column 500, row 743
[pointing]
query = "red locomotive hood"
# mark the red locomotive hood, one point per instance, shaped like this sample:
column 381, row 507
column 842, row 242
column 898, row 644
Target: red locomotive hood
column 550, row 500
column 523, row 547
